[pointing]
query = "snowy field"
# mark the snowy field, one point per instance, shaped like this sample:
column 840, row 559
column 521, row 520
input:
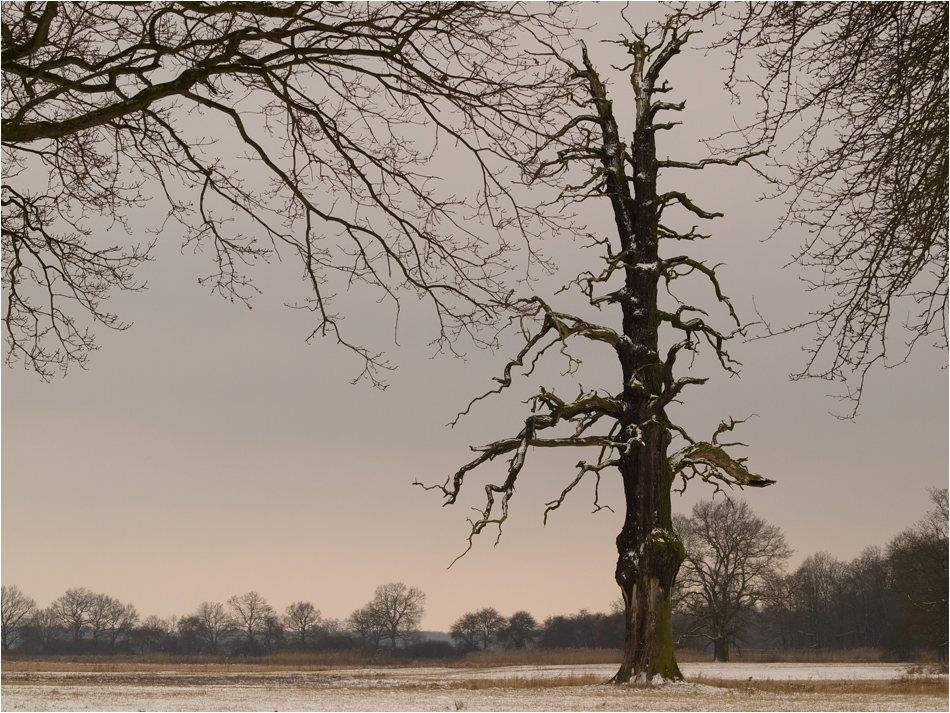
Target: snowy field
column 510, row 688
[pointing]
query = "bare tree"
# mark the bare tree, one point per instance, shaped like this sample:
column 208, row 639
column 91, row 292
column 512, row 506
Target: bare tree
column 394, row 614
column 400, row 610
column 627, row 424
column 272, row 634
column 211, row 624
column 101, row 604
column 153, row 633
column 934, row 525
column 521, row 631
column 119, row 621
column 869, row 613
column 108, row 617
column 919, row 567
column 858, row 92
column 465, row 633
column 490, row 624
column 44, row 627
column 303, row 621
column 896, row 599
column 74, row 610
column 816, row 589
column 42, row 631
column 268, row 129
column 251, row 613
column 732, row 557
column 367, row 625
column 15, row 610
column 479, row 630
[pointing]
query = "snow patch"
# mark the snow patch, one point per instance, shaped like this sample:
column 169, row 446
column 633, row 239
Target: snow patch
column 436, row 688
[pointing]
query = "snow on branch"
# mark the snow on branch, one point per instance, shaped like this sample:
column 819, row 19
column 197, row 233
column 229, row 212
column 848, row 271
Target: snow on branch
column 710, row 461
column 562, row 324
column 584, row 412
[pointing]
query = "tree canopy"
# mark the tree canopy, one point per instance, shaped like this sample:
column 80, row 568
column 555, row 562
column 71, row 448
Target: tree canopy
column 268, row 130
column 732, row 559
column 853, row 97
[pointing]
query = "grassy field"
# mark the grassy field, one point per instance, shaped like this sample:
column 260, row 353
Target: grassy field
column 567, row 681
column 328, row 660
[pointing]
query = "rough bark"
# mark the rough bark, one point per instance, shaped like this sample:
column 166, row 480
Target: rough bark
column 649, row 553
column 649, row 556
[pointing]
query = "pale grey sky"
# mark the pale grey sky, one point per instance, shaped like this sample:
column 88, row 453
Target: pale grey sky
column 208, row 451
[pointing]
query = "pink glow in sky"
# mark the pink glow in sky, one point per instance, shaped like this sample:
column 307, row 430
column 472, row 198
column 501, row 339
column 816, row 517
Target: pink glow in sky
column 208, row 451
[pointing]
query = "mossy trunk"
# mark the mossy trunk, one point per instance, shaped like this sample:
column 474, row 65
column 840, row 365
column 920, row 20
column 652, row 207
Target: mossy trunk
column 649, row 557
column 648, row 636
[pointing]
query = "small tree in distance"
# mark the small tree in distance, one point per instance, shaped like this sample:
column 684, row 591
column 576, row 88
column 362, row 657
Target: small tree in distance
column 251, row 612
column 732, row 558
column 479, row 630
column 118, row 621
column 366, row 626
column 43, row 629
column 464, row 632
column 303, row 621
column 15, row 611
column 74, row 611
column 212, row 625
column 521, row 631
column 394, row 614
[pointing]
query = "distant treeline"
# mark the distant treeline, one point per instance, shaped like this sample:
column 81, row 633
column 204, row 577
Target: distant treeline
column 733, row 587
column 827, row 604
column 893, row 599
column 85, row 622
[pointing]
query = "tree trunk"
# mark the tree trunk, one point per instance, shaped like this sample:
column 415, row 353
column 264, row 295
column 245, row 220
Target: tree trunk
column 649, row 556
column 721, row 649
column 649, row 552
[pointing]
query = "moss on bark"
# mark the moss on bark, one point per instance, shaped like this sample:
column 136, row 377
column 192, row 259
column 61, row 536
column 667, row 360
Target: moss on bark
column 666, row 666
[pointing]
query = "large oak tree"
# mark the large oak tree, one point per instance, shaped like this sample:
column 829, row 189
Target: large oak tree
column 628, row 425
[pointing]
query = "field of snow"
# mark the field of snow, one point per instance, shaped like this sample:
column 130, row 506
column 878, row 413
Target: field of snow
column 510, row 688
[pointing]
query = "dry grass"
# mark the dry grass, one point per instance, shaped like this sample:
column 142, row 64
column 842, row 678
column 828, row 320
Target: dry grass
column 280, row 661
column 537, row 657
column 532, row 682
column 865, row 655
column 307, row 661
column 259, row 686
column 580, row 657
column 908, row 685
column 316, row 661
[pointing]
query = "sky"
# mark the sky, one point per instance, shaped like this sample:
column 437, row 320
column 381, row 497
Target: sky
column 208, row 451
